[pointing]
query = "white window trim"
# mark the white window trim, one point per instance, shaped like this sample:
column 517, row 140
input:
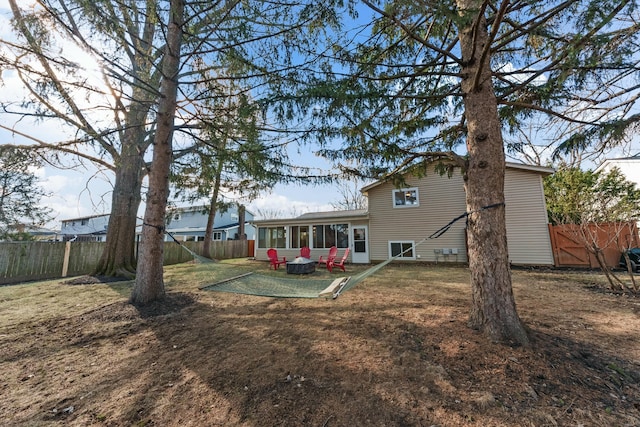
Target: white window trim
column 404, row 190
column 413, row 247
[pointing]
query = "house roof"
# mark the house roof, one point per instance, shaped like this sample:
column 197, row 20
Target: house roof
column 631, row 159
column 201, row 208
column 225, row 227
column 84, row 217
column 543, row 170
column 320, row 216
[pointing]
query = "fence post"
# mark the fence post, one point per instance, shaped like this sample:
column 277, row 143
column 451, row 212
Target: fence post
column 65, row 262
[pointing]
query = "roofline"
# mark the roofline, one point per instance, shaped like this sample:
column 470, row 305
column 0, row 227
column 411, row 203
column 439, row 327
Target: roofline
column 221, row 228
column 543, row 170
column 307, row 220
column 180, row 209
column 84, row 217
column 635, row 158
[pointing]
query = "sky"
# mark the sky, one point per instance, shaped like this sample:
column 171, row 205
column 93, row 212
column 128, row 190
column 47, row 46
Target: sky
column 85, row 190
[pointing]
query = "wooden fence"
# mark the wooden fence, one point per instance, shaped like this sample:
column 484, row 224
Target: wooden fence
column 25, row 261
column 568, row 242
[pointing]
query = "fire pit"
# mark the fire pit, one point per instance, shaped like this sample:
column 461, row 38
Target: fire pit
column 301, row 266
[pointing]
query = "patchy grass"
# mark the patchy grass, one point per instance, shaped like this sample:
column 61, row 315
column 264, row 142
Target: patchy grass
column 393, row 351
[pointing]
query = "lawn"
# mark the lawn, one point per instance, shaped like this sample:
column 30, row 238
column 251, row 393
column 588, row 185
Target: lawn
column 393, row 351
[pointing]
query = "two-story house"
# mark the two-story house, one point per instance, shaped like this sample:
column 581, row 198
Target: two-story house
column 188, row 224
column 399, row 220
column 628, row 166
column 85, row 229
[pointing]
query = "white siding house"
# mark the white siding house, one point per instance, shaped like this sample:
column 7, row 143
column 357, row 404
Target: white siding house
column 629, row 166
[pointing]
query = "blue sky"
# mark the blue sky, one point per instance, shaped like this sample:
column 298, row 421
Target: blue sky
column 86, row 190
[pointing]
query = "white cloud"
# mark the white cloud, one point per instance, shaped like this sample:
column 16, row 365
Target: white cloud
column 281, row 206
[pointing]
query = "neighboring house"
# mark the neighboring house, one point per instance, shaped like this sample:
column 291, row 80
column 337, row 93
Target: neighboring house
column 188, row 224
column 42, row 234
column 628, row 166
column 400, row 219
column 39, row 234
column 85, row 229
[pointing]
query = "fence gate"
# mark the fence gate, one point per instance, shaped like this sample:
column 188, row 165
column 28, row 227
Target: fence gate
column 569, row 248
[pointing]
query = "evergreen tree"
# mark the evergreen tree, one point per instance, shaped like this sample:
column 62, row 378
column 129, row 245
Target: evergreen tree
column 20, row 193
column 421, row 80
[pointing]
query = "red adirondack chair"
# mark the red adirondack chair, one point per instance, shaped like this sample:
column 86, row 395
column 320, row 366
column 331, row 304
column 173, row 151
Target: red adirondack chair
column 305, row 252
column 333, row 253
column 273, row 259
column 340, row 263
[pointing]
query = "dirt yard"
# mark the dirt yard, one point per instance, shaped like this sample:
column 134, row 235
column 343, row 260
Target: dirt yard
column 393, row 351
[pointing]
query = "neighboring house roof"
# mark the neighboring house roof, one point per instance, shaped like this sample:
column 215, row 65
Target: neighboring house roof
column 80, row 218
column 37, row 231
column 200, row 208
column 34, row 230
column 225, row 227
column 631, row 159
column 543, row 170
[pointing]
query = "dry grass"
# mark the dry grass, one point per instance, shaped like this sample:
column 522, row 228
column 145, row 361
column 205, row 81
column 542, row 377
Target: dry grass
column 394, row 351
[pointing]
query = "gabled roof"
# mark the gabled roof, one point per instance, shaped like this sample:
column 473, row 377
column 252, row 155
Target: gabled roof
column 543, row 170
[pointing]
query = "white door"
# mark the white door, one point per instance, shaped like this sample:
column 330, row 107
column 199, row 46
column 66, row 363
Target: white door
column 359, row 244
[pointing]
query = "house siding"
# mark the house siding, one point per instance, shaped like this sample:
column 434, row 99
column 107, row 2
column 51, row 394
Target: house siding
column 192, row 221
column 527, row 228
column 443, row 199
column 440, row 200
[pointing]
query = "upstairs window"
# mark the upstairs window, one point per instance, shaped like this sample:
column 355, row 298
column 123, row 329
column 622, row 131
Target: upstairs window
column 405, row 197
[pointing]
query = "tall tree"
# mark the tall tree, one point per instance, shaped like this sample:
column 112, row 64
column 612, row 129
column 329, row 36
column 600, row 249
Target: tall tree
column 20, row 194
column 232, row 157
column 120, row 39
column 252, row 39
column 111, row 119
column 432, row 76
column 149, row 283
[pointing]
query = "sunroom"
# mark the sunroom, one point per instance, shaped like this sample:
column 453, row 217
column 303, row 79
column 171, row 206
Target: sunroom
column 317, row 230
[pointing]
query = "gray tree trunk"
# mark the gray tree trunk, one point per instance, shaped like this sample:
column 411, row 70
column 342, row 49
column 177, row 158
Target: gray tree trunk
column 118, row 258
column 208, row 233
column 493, row 308
column 149, row 284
